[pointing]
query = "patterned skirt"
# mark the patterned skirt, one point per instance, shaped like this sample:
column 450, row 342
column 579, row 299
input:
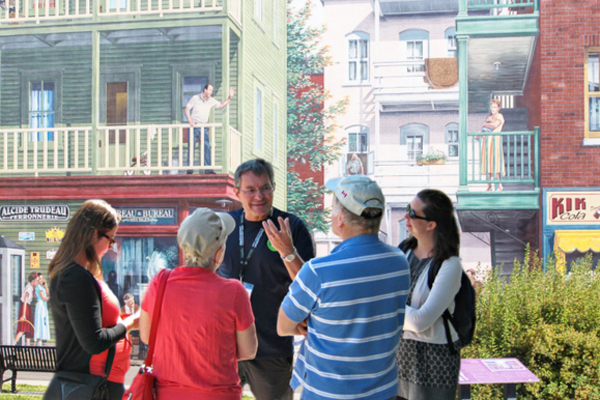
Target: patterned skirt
column 23, row 326
column 427, row 371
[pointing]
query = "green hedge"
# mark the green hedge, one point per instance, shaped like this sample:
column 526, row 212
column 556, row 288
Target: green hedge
column 549, row 321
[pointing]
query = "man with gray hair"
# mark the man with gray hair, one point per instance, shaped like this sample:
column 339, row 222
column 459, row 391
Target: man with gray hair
column 265, row 251
column 354, row 302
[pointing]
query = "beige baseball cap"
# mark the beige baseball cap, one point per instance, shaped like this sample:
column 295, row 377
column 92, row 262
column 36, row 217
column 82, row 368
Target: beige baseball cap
column 357, row 192
column 203, row 232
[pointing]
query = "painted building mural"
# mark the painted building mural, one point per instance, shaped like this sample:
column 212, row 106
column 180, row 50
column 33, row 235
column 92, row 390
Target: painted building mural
column 444, row 94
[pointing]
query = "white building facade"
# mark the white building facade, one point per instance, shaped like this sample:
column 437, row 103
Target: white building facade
column 384, row 54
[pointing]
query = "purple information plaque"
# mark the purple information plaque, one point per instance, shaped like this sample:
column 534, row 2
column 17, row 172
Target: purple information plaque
column 494, row 370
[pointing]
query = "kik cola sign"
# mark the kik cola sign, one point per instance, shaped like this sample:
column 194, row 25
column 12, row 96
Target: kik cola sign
column 575, row 208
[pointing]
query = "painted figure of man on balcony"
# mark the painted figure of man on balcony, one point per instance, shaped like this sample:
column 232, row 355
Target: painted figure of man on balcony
column 197, row 112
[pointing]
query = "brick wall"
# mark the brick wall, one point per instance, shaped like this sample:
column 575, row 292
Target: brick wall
column 567, row 27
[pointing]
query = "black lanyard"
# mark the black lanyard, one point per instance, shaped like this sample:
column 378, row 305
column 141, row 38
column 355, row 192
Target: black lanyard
column 244, row 261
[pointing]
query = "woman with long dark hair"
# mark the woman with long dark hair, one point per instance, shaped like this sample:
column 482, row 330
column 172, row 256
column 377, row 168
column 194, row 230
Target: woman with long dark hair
column 86, row 327
column 427, row 366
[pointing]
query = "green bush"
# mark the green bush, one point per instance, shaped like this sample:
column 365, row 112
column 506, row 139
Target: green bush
column 549, row 321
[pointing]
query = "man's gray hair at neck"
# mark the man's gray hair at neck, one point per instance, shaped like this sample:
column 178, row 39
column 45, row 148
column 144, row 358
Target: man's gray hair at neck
column 368, row 226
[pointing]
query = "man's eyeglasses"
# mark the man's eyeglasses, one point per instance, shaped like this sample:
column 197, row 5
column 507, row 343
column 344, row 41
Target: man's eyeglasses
column 267, row 189
column 110, row 240
column 413, row 215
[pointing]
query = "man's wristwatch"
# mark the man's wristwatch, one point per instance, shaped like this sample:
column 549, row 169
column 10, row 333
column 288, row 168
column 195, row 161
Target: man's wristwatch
column 290, row 257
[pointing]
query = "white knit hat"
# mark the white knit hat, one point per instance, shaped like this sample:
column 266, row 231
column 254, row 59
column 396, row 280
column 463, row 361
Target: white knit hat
column 204, row 232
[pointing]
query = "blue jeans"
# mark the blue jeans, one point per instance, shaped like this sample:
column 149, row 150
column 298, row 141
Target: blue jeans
column 197, row 147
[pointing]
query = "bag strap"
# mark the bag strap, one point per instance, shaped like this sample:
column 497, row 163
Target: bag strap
column 112, row 349
column 162, row 283
column 446, row 316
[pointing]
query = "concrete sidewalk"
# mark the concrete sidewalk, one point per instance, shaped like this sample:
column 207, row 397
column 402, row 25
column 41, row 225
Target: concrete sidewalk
column 43, row 378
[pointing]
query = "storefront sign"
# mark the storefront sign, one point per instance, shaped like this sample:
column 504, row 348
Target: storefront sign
column 26, row 236
column 34, row 213
column 51, row 253
column 54, row 235
column 35, row 260
column 573, row 208
column 147, row 215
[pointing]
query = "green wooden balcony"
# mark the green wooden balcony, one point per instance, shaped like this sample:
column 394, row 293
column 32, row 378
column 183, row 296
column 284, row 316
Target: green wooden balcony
column 116, row 150
column 19, row 13
column 510, row 159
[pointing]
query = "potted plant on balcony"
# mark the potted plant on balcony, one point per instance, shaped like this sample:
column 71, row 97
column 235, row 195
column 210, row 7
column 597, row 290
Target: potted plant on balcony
column 434, row 157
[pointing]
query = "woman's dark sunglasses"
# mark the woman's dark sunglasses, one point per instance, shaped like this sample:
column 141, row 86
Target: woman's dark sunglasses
column 110, row 240
column 413, row 215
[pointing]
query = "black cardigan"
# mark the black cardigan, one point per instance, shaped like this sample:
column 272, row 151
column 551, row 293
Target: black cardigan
column 77, row 313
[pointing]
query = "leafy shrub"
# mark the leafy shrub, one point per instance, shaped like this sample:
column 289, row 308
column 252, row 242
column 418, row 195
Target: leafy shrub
column 549, row 321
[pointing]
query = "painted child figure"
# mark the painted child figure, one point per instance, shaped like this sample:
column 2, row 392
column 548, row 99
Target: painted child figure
column 42, row 325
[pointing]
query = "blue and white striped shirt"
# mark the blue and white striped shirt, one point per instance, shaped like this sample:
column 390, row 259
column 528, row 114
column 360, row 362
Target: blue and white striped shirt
column 354, row 299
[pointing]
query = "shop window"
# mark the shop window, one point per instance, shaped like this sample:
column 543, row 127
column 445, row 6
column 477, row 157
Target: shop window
column 414, row 48
column 452, row 139
column 133, row 261
column 592, row 92
column 577, row 255
column 358, row 57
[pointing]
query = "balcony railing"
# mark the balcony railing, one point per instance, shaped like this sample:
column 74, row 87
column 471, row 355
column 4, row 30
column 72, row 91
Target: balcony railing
column 18, row 12
column 400, row 76
column 128, row 150
column 500, row 7
column 504, row 157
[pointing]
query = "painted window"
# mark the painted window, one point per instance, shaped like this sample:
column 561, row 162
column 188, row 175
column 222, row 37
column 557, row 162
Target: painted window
column 415, row 137
column 275, row 130
column 258, row 119
column 358, row 139
column 258, row 9
column 414, row 48
column 452, row 139
column 275, row 21
column 592, row 93
column 451, row 43
column 403, row 233
column 358, row 57
column 42, row 109
column 190, row 85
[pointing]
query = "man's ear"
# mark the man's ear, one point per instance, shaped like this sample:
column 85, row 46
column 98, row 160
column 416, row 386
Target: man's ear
column 236, row 191
column 338, row 219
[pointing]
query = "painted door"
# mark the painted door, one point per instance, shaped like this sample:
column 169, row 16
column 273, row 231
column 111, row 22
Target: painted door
column 12, row 270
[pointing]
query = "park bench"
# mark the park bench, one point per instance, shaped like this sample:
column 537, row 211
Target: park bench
column 26, row 358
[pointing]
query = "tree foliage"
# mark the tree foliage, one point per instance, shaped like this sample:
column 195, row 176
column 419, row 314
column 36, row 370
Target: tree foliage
column 309, row 123
column 549, row 321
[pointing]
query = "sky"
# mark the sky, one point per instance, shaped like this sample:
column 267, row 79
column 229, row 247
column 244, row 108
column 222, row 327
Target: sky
column 317, row 16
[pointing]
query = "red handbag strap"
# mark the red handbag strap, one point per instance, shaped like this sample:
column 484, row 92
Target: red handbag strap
column 163, row 276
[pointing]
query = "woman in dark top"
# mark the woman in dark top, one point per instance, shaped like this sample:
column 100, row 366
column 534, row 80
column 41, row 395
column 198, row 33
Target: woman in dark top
column 74, row 292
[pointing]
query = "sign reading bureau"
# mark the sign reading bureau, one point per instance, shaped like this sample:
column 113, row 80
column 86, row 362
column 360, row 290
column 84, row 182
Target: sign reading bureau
column 147, row 215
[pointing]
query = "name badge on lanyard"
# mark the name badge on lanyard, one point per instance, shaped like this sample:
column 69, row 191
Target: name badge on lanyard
column 245, row 260
column 249, row 287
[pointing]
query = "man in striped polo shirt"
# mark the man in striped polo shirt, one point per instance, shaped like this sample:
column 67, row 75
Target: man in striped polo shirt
column 349, row 304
